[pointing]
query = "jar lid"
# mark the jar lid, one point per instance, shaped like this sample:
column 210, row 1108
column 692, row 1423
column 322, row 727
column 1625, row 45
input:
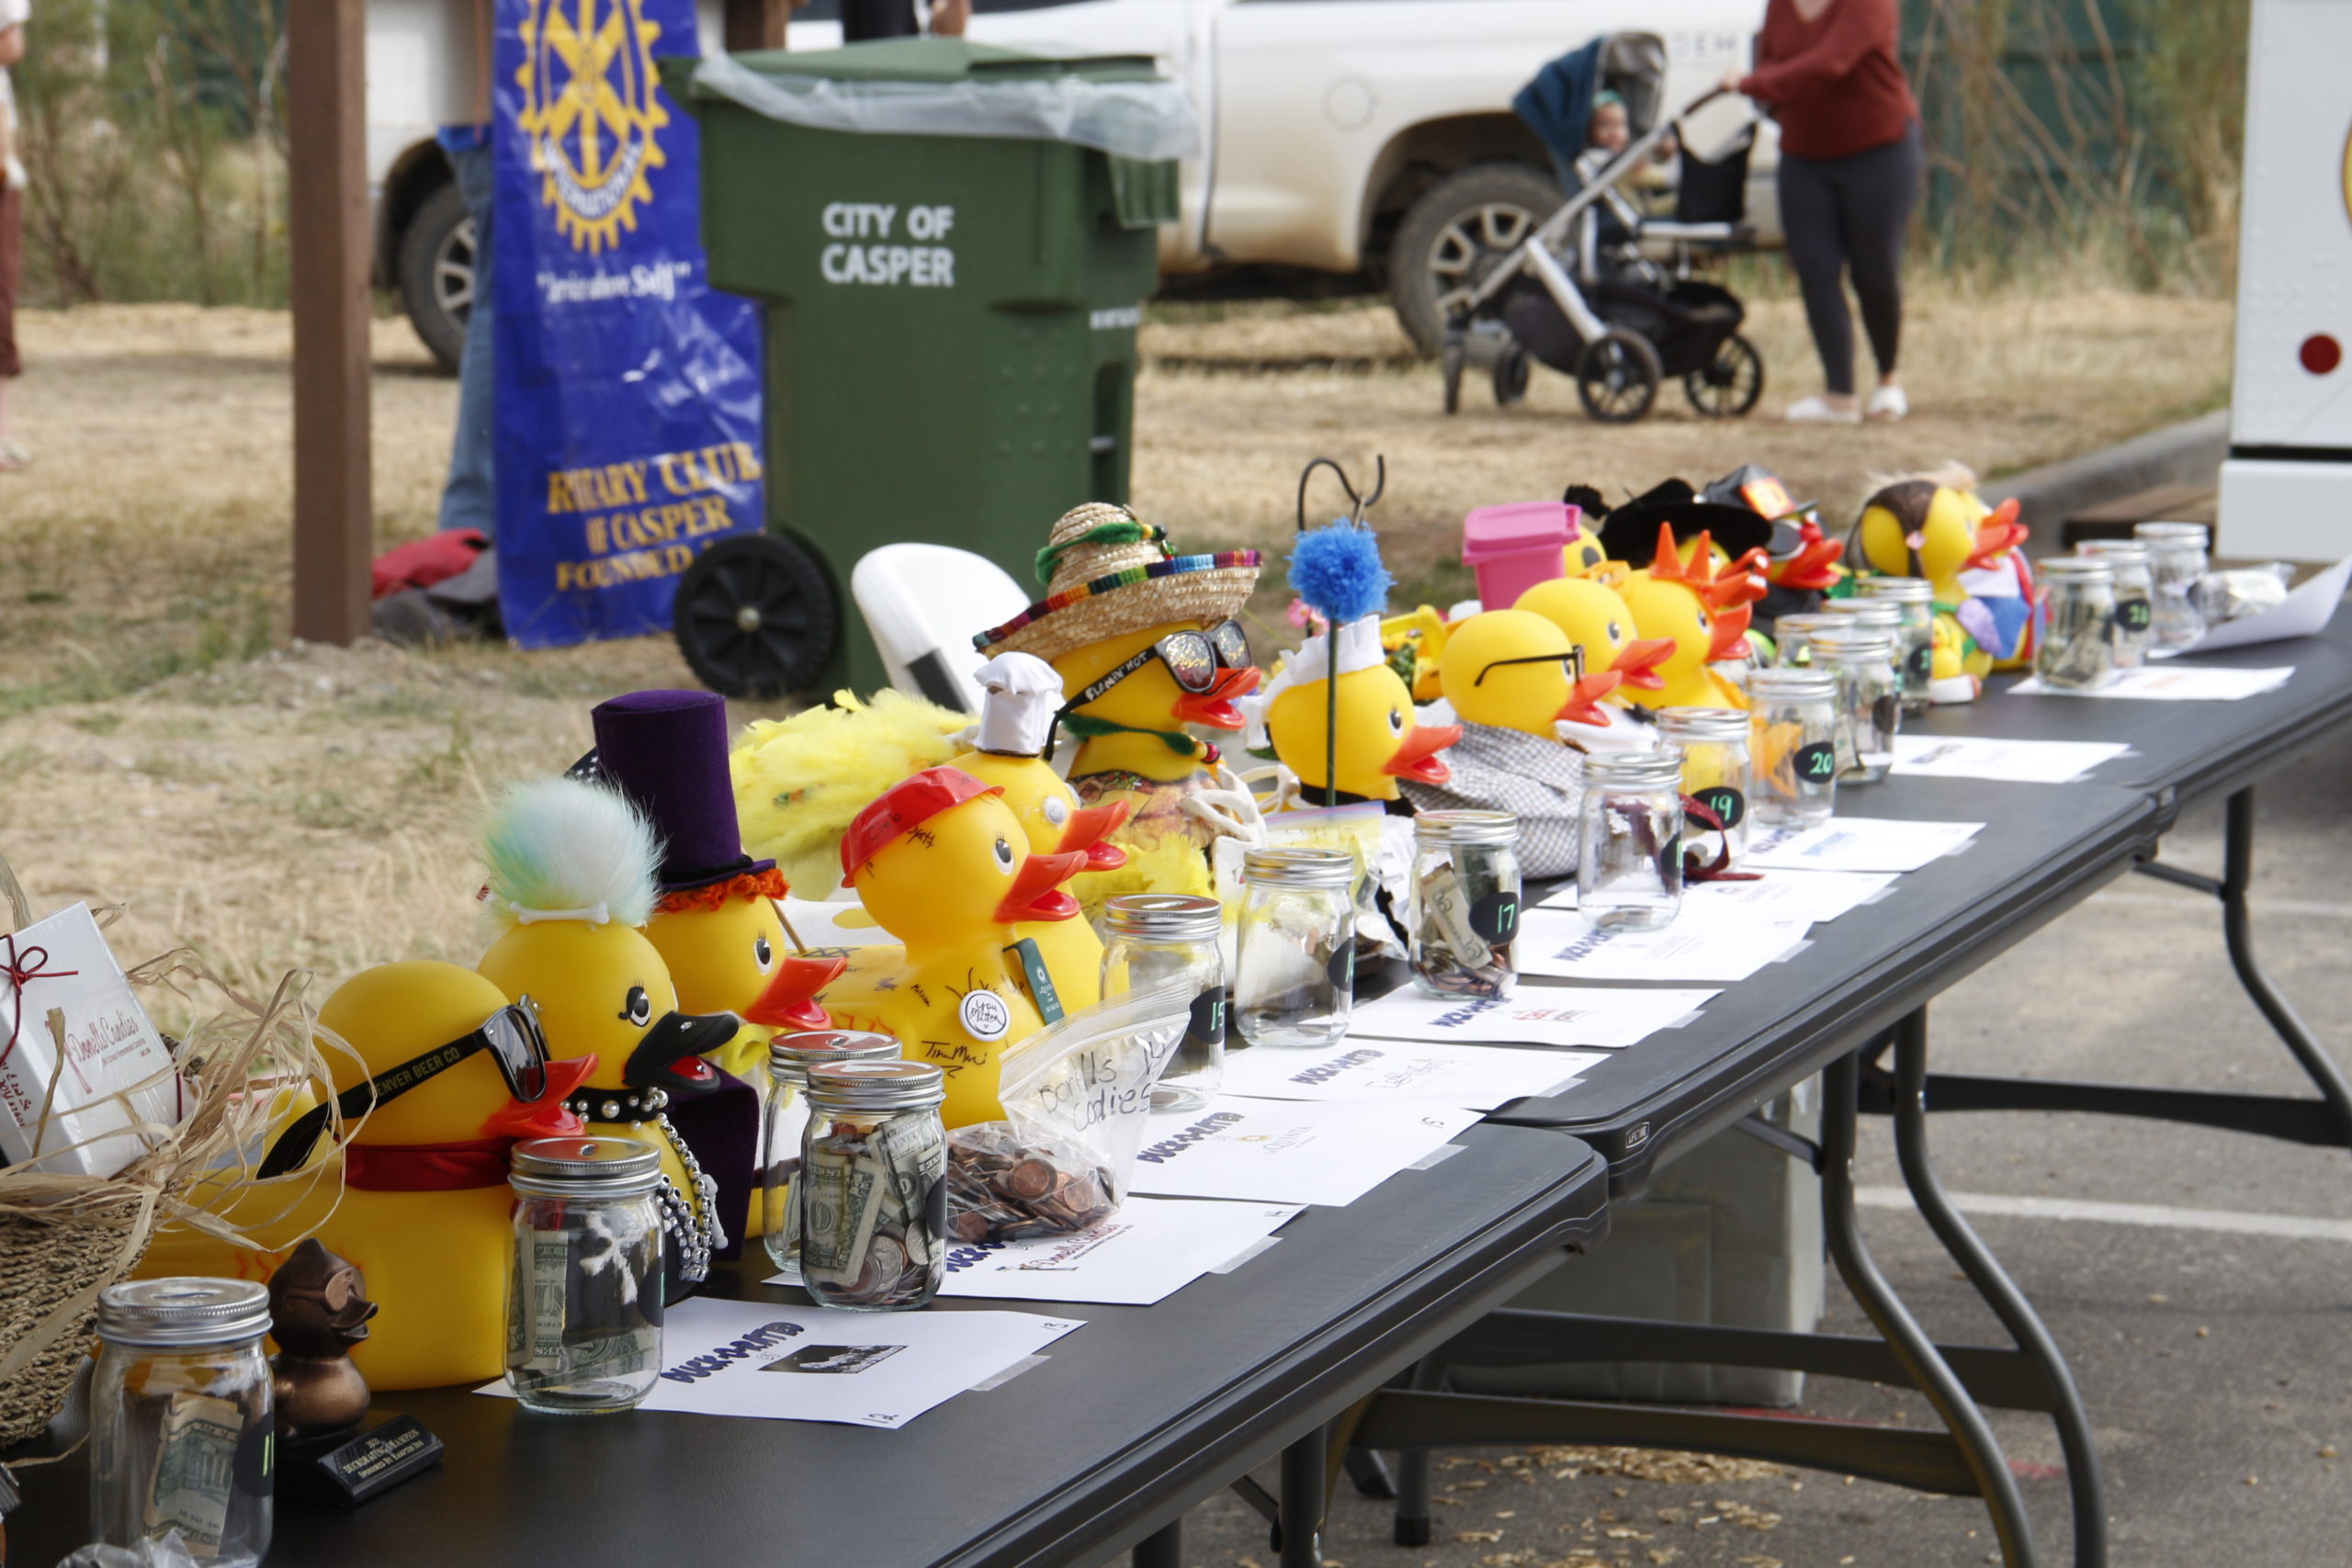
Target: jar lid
column 793, row 1055
column 1902, row 589
column 1854, row 641
column 2172, row 532
column 2124, row 550
column 1715, row 726
column 584, row 1167
column 1467, row 828
column 1299, row 868
column 1799, row 684
column 1164, row 916
column 2078, row 569
column 1868, row 612
column 183, row 1310
column 1631, row 770
column 876, row 1086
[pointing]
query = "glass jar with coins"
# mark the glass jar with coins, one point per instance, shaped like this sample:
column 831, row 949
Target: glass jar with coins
column 2078, row 648
column 2135, row 597
column 1294, row 961
column 873, row 1187
column 583, row 1310
column 1464, row 906
column 789, row 1058
column 2176, row 563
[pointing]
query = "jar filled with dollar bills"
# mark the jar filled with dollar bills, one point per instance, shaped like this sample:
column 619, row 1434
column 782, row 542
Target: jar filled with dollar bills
column 1792, row 743
column 1294, row 961
column 873, row 1188
column 1466, row 900
column 180, row 1421
column 2176, row 562
column 1150, row 938
column 1914, row 644
column 2078, row 648
column 583, row 1308
column 2135, row 597
column 789, row 1058
column 1715, row 780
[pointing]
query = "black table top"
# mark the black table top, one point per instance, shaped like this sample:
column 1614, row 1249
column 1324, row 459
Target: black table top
column 2043, row 848
column 1132, row 1419
column 2184, row 753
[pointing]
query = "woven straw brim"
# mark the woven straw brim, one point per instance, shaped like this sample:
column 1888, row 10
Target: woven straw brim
column 1207, row 589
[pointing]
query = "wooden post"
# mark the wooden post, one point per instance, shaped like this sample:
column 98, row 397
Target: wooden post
column 327, row 222
column 756, row 24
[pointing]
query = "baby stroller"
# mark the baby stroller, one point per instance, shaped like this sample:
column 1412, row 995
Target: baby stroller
column 1601, row 291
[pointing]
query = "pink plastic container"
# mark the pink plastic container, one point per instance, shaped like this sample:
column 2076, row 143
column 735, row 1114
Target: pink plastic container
column 1514, row 547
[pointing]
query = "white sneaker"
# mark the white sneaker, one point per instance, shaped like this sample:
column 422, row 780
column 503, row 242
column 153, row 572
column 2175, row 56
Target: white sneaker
column 1887, row 403
column 1816, row 411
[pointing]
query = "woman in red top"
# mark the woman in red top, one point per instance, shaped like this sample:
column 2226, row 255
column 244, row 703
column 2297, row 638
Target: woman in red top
column 1850, row 161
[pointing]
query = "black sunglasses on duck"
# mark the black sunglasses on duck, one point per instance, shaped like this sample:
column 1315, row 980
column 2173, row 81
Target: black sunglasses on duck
column 1571, row 661
column 512, row 1035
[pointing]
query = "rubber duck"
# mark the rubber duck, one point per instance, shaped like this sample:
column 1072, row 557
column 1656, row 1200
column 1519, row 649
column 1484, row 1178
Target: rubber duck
column 1145, row 644
column 1584, row 554
column 1705, row 615
column 571, row 878
column 1935, row 526
column 715, row 922
column 1414, row 644
column 942, row 863
column 1596, row 619
column 1515, row 670
column 1381, row 742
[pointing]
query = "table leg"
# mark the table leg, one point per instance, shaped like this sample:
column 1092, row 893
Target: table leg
column 2237, row 932
column 2084, row 1480
column 1412, row 1526
column 1303, row 1485
column 1163, row 1548
column 1913, row 1351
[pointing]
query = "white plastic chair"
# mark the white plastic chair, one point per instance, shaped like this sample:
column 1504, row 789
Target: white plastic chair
column 923, row 604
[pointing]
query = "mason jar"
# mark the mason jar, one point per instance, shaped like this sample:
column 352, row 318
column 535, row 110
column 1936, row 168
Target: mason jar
column 1880, row 615
column 1295, row 954
column 2135, row 610
column 1916, row 636
column 873, row 1187
column 1462, row 914
column 1716, row 773
column 1870, row 698
column 583, row 1307
column 181, row 1428
column 1793, row 747
column 1792, row 637
column 1629, row 875
column 2176, row 563
column 1149, row 939
column 2078, row 648
column 789, row 1058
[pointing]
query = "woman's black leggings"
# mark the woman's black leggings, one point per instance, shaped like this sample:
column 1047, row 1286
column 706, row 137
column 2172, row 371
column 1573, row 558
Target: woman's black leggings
column 1850, row 214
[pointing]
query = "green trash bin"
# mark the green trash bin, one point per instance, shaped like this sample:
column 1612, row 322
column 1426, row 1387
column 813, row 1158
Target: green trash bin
column 951, row 293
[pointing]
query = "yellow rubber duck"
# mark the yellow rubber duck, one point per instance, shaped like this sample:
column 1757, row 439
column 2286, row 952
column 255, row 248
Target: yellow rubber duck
column 1416, row 642
column 1703, row 613
column 1380, row 742
column 1597, row 620
column 1584, row 555
column 572, row 878
column 942, row 863
column 1937, row 527
column 1515, row 670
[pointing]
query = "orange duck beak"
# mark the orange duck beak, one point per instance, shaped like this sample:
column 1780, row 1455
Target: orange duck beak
column 1584, row 698
column 1037, row 889
column 1814, row 566
column 544, row 1117
column 1638, row 663
column 1215, row 707
column 790, row 1000
column 1730, row 636
column 1417, row 755
column 1996, row 534
column 1746, row 580
column 1089, row 832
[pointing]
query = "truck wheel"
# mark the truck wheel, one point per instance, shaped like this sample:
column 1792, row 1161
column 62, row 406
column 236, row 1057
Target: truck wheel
column 436, row 272
column 756, row 615
column 1457, row 234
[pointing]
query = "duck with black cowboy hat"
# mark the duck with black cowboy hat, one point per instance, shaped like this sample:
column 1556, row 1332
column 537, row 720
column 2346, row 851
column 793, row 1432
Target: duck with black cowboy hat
column 1146, row 645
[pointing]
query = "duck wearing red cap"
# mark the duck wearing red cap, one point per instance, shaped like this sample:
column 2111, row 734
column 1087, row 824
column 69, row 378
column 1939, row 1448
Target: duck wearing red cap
column 942, row 863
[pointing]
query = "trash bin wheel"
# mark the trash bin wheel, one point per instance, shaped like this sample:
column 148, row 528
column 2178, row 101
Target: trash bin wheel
column 757, row 615
column 1617, row 377
column 1728, row 385
column 1456, row 351
column 1510, row 374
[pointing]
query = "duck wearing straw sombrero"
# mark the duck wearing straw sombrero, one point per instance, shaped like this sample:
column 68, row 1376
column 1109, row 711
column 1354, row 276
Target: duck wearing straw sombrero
column 1147, row 644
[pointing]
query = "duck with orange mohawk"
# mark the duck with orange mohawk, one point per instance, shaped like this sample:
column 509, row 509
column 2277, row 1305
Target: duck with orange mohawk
column 1704, row 613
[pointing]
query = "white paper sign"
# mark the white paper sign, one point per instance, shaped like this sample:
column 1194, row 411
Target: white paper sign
column 115, row 1077
column 861, row 1369
column 1476, row 1077
column 1149, row 1249
column 2171, row 683
column 2009, row 761
column 1289, row 1151
column 1859, row 843
column 1582, row 1016
column 1712, row 942
column 1815, row 896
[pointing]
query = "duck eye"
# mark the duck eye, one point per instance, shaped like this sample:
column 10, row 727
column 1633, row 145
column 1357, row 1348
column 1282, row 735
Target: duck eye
column 639, row 1010
column 763, row 950
column 1004, row 855
column 1397, row 720
column 1056, row 810
column 1702, row 620
column 1616, row 634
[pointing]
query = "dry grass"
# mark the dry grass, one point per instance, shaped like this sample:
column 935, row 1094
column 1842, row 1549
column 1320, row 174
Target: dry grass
column 161, row 745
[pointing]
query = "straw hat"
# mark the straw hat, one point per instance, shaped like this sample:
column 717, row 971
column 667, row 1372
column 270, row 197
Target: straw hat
column 1108, row 573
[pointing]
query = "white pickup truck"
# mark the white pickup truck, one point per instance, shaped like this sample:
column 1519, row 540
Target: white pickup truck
column 1371, row 142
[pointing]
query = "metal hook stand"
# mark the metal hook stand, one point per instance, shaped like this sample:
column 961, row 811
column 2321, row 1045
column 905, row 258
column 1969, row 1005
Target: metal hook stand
column 1358, row 504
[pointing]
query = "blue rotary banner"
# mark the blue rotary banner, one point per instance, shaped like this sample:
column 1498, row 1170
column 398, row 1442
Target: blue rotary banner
column 628, row 389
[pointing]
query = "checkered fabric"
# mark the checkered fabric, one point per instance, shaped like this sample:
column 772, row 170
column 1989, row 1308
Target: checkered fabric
column 1540, row 782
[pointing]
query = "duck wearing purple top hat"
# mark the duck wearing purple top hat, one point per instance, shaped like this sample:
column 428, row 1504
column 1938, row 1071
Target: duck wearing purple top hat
column 715, row 922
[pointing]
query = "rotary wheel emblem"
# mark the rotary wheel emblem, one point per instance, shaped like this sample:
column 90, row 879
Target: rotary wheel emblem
column 591, row 108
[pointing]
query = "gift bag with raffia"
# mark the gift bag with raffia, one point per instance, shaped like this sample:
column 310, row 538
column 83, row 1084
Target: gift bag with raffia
column 65, row 1237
